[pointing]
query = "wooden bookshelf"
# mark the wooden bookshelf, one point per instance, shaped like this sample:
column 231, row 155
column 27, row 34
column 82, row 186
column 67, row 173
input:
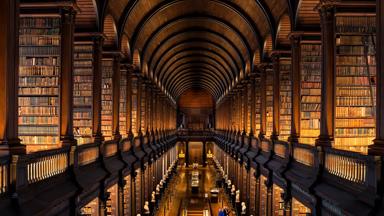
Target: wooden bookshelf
column 269, row 102
column 299, row 208
column 278, row 202
column 355, row 82
column 134, row 83
column 263, row 196
column 82, row 92
column 252, row 194
column 39, row 75
column 285, row 97
column 310, row 73
column 138, row 191
column 106, row 99
column 123, row 102
column 142, row 107
column 257, row 107
column 127, row 196
column 91, row 209
column 111, row 203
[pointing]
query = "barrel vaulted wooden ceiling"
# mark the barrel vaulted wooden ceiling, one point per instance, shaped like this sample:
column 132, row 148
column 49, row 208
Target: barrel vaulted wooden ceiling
column 184, row 44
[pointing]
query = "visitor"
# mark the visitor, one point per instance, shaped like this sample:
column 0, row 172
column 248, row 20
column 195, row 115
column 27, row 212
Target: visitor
column 221, row 212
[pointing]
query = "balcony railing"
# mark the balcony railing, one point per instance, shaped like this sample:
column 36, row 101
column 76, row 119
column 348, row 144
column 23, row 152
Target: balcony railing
column 110, row 148
column 280, row 148
column 350, row 166
column 304, row 154
column 87, row 154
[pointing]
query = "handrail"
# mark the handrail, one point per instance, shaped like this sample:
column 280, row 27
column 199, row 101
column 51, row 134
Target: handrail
column 110, row 148
column 87, row 154
column 44, row 164
column 304, row 154
column 280, row 148
column 350, row 166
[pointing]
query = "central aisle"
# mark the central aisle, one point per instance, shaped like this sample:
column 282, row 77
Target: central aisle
column 179, row 200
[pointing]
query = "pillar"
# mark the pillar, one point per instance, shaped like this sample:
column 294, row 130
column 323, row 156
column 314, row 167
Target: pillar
column 97, row 84
column 204, row 153
column 378, row 147
column 327, row 21
column 295, row 63
column 66, row 78
column 9, row 62
column 116, row 97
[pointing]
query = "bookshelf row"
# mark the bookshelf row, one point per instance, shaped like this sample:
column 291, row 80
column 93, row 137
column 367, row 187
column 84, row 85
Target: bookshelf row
column 269, row 101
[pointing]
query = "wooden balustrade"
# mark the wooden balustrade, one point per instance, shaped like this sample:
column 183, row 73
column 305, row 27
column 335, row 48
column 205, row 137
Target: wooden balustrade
column 127, row 144
column 87, row 154
column 4, row 176
column 265, row 145
column 350, row 166
column 45, row 164
column 110, row 148
column 304, row 154
column 280, row 149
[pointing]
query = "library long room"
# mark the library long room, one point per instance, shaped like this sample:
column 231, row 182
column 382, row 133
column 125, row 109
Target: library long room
column 192, row 107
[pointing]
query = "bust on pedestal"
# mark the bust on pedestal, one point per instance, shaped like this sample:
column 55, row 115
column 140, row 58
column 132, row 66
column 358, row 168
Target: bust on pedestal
column 243, row 208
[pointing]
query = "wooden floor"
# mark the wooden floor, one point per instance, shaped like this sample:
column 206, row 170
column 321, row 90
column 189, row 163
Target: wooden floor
column 180, row 201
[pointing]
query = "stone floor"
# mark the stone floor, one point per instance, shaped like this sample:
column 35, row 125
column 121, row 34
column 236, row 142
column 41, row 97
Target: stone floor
column 179, row 199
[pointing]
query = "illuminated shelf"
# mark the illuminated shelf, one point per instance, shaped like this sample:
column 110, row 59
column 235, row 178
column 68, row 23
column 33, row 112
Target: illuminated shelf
column 269, row 102
column 285, row 98
column 355, row 82
column 39, row 88
column 310, row 73
column 106, row 99
column 82, row 92
column 123, row 103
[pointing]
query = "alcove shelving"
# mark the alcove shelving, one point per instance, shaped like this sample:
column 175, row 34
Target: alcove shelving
column 269, row 101
column 123, row 102
column 355, row 82
column 82, row 92
column 39, row 77
column 310, row 78
column 285, row 97
column 106, row 98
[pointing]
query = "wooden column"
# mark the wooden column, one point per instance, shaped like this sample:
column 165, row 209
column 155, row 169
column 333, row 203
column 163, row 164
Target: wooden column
column 276, row 96
column 9, row 72
column 378, row 147
column 129, row 100
column 116, row 97
column 296, row 96
column 263, row 102
column 327, row 21
column 97, row 84
column 66, row 78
